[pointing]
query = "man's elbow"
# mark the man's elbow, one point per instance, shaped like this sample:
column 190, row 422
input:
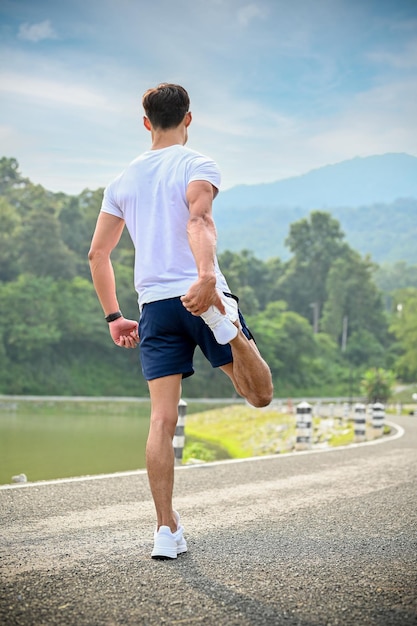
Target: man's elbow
column 201, row 220
column 95, row 255
column 91, row 254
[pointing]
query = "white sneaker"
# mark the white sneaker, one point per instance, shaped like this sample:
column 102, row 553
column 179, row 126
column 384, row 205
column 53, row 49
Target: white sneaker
column 221, row 325
column 167, row 545
column 179, row 536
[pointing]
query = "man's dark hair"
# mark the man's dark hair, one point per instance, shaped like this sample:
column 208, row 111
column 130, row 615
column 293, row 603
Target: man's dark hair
column 166, row 105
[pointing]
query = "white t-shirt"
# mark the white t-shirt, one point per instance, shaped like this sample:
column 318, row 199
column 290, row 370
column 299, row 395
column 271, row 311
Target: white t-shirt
column 150, row 196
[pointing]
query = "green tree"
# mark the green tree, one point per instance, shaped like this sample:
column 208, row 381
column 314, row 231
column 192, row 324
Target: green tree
column 9, row 253
column 29, row 319
column 90, row 203
column 353, row 297
column 393, row 276
column 42, row 251
column 248, row 302
column 248, row 277
column 286, row 341
column 74, row 231
column 404, row 327
column 78, row 310
column 10, row 176
column 364, row 349
column 316, row 242
column 377, row 385
column 329, row 375
column 275, row 270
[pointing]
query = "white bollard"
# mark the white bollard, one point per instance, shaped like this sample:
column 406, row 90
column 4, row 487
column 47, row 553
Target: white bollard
column 360, row 422
column 304, row 426
column 378, row 417
column 179, row 437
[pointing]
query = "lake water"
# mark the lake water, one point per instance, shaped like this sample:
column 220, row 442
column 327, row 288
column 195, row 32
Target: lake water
column 47, row 440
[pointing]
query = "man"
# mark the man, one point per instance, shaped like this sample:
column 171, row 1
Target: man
column 164, row 198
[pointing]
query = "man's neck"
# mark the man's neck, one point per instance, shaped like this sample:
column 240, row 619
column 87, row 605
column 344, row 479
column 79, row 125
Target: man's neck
column 167, row 138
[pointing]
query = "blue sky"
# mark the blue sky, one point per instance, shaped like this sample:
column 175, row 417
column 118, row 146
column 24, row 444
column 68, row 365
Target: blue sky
column 277, row 87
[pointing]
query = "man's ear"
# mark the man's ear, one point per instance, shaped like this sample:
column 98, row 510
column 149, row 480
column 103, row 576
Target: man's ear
column 188, row 119
column 146, row 123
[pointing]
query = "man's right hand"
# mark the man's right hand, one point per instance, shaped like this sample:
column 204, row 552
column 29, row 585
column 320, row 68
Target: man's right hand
column 201, row 295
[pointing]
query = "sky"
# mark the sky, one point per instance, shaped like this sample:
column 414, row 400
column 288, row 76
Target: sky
column 277, row 87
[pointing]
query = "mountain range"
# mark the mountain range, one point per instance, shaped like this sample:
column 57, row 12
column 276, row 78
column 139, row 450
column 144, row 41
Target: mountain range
column 374, row 199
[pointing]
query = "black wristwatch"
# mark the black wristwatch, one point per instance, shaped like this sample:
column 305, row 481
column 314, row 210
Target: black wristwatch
column 113, row 316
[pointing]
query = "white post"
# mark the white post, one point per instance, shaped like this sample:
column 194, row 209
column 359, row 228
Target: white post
column 378, row 417
column 179, row 437
column 360, row 422
column 304, row 426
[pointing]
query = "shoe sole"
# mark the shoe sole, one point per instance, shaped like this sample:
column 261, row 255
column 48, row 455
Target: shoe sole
column 165, row 557
column 164, row 552
column 161, row 557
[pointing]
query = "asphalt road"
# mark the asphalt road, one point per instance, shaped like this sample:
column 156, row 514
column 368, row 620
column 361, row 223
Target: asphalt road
column 323, row 538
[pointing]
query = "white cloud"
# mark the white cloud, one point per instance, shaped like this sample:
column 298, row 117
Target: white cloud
column 6, row 132
column 36, row 32
column 52, row 91
column 406, row 59
column 375, row 122
column 15, row 143
column 256, row 143
column 249, row 12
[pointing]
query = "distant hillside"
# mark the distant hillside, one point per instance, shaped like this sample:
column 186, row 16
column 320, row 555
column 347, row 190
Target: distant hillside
column 374, row 198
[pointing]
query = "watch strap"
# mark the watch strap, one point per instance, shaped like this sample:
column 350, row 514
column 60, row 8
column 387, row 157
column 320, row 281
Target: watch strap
column 113, row 316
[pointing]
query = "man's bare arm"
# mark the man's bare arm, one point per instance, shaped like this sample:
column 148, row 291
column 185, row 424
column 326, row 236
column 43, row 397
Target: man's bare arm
column 202, row 237
column 106, row 236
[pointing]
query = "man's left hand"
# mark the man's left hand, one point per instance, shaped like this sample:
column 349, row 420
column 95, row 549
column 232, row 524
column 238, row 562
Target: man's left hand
column 124, row 332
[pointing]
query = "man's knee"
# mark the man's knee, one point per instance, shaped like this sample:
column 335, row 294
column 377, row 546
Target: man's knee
column 261, row 398
column 164, row 423
column 263, row 402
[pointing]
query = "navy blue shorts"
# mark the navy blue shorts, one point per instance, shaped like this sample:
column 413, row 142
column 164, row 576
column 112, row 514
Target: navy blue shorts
column 169, row 335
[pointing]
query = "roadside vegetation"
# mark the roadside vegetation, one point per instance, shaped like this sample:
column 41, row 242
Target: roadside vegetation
column 240, row 431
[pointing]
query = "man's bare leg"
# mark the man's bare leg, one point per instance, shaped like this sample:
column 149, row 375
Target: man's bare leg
column 165, row 394
column 249, row 373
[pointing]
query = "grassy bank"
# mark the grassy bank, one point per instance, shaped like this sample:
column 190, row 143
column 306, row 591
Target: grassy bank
column 239, row 431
